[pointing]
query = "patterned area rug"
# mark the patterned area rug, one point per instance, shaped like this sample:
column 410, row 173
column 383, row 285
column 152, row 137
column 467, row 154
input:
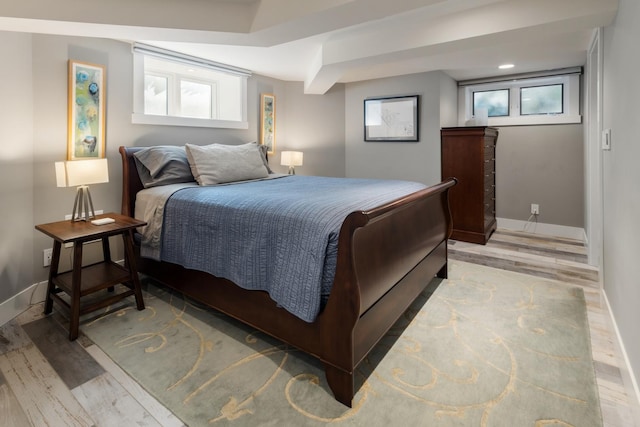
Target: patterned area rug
column 484, row 348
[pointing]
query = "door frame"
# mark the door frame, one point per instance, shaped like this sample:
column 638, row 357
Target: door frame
column 594, row 207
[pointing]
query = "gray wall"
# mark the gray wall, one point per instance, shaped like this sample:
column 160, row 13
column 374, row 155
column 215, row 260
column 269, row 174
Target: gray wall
column 51, row 54
column 315, row 126
column 16, row 164
column 34, row 132
column 448, row 101
column 535, row 164
column 415, row 161
column 621, row 91
column 543, row 165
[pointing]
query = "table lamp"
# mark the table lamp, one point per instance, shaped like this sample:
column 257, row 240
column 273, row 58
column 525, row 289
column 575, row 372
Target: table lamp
column 291, row 159
column 81, row 173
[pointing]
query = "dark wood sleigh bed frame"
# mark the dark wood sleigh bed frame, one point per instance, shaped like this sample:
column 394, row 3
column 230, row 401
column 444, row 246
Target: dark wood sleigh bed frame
column 386, row 257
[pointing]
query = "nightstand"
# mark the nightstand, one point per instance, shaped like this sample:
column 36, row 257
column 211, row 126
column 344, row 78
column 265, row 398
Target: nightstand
column 84, row 280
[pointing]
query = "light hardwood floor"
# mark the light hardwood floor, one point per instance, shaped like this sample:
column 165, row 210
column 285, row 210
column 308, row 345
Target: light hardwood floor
column 47, row 380
column 564, row 260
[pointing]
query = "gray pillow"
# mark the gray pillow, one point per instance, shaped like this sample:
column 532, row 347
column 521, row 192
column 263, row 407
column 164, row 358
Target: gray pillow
column 218, row 163
column 265, row 159
column 162, row 165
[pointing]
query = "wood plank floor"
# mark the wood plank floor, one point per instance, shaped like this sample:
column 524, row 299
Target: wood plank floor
column 564, row 260
column 47, row 380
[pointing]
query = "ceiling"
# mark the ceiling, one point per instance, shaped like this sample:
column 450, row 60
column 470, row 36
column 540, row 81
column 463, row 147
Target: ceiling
column 324, row 42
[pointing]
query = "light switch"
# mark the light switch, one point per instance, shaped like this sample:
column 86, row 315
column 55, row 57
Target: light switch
column 606, row 139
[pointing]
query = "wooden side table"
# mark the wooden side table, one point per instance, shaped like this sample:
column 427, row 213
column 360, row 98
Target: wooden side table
column 82, row 281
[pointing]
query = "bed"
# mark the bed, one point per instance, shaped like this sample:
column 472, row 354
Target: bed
column 386, row 256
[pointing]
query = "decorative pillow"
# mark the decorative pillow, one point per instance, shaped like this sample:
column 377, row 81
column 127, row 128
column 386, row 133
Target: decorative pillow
column 263, row 151
column 218, row 163
column 162, row 165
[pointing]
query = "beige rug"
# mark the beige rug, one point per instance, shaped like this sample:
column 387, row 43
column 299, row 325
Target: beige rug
column 487, row 348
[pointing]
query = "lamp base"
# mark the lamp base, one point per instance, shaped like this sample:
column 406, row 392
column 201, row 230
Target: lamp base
column 83, row 200
column 292, row 170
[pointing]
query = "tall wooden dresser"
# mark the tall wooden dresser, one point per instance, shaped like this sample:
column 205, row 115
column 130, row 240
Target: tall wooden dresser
column 469, row 155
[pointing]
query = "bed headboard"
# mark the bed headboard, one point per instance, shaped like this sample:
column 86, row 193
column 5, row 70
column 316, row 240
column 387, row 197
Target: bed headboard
column 131, row 183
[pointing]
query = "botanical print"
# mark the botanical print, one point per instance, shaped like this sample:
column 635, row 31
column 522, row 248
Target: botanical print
column 268, row 121
column 86, row 111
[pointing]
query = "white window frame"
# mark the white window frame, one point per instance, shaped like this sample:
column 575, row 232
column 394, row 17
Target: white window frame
column 571, row 99
column 139, row 117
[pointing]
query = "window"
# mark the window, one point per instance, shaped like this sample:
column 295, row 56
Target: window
column 180, row 90
column 535, row 98
column 541, row 100
column 496, row 102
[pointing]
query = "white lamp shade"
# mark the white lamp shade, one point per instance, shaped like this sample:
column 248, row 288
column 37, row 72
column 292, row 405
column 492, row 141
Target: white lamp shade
column 82, row 172
column 291, row 158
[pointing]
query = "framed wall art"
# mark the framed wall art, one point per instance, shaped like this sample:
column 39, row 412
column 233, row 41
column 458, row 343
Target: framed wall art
column 268, row 121
column 392, row 119
column 86, row 111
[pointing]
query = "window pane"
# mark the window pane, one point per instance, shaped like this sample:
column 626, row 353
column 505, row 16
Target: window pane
column 195, row 99
column 541, row 100
column 495, row 101
column 155, row 95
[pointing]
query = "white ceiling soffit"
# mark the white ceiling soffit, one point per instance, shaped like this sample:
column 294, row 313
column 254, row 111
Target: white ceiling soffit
column 323, row 42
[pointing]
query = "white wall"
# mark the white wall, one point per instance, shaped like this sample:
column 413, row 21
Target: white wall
column 622, row 176
column 16, row 166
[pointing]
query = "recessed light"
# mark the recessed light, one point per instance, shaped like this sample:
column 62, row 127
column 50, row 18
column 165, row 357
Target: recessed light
column 506, row 66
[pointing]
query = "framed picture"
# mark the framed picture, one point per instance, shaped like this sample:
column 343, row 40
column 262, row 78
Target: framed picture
column 392, row 119
column 268, row 121
column 86, row 111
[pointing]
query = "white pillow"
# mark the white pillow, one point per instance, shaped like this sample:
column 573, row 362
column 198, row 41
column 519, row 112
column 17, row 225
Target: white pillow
column 218, row 163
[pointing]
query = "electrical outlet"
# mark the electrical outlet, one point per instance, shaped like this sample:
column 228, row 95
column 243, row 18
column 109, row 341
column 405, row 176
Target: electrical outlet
column 535, row 209
column 47, row 254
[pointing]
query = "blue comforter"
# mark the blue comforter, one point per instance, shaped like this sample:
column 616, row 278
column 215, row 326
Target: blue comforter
column 278, row 235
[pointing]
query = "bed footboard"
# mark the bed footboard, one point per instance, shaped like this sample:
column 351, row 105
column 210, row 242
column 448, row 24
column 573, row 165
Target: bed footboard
column 386, row 257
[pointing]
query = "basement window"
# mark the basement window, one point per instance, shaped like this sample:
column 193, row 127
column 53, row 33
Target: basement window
column 496, row 102
column 175, row 89
column 545, row 99
column 550, row 97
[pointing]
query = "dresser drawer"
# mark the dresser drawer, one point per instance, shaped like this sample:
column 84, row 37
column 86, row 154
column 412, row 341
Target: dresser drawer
column 489, row 152
column 489, row 178
column 489, row 190
column 489, row 166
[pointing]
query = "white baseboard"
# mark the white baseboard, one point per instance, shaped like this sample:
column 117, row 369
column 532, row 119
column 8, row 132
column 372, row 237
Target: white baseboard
column 628, row 376
column 565, row 231
column 17, row 304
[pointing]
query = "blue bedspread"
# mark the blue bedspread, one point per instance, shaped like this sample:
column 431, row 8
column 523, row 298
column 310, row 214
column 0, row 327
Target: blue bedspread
column 278, row 235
